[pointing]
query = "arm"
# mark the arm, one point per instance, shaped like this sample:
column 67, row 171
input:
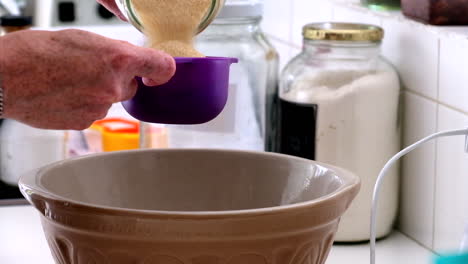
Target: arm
column 68, row 79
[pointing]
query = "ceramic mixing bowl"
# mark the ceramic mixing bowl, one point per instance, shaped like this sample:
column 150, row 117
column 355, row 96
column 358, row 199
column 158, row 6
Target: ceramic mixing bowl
column 190, row 206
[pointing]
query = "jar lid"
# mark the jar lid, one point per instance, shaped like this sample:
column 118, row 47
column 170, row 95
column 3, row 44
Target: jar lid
column 343, row 32
column 241, row 8
column 15, row 21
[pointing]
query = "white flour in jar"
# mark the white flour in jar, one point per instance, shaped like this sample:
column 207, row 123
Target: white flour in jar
column 356, row 129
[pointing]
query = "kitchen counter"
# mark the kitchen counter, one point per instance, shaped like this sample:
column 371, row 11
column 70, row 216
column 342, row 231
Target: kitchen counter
column 22, row 241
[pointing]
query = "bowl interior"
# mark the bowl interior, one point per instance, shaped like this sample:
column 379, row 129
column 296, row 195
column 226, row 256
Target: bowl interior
column 189, row 180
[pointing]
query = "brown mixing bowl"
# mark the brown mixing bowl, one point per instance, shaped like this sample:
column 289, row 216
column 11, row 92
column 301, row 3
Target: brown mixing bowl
column 190, row 206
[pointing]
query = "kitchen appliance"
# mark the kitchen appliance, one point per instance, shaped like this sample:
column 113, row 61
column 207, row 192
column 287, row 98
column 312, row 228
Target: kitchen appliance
column 64, row 13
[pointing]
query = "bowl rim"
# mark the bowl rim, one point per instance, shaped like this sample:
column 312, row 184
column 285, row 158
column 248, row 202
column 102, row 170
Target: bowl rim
column 30, row 186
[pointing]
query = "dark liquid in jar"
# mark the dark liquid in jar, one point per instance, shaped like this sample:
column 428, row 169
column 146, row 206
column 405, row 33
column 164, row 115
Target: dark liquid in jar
column 297, row 129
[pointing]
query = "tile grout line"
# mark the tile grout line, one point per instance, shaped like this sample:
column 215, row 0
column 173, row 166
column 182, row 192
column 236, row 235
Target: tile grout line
column 417, row 242
column 434, row 188
column 456, row 109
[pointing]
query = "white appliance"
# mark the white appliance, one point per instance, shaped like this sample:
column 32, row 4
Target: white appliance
column 64, row 13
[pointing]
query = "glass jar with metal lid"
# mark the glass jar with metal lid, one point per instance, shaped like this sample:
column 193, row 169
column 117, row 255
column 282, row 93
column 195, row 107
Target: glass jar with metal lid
column 130, row 13
column 338, row 103
column 236, row 32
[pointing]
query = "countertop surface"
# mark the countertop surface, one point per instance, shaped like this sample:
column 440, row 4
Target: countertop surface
column 22, row 241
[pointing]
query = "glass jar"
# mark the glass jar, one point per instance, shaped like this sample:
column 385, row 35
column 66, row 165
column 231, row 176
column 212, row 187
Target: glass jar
column 126, row 7
column 382, row 4
column 236, row 33
column 339, row 104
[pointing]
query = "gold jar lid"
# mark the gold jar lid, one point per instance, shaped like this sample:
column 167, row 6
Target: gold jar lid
column 343, row 32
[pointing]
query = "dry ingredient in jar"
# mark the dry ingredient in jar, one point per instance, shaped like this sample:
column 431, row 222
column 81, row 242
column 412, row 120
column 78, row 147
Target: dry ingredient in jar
column 353, row 103
column 339, row 104
column 171, row 24
column 351, row 131
column 348, row 113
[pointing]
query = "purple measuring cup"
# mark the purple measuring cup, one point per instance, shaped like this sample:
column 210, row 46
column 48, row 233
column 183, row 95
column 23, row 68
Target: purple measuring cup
column 196, row 94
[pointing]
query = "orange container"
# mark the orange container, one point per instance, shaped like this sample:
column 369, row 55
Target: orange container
column 117, row 134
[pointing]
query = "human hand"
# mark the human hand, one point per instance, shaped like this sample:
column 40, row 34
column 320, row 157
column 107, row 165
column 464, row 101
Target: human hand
column 68, row 79
column 112, row 6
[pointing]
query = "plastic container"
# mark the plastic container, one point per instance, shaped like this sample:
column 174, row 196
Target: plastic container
column 339, row 104
column 437, row 12
column 454, row 259
column 236, row 32
column 196, row 94
column 117, row 134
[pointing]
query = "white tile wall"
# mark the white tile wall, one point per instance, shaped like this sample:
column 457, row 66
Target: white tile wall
column 277, row 19
column 454, row 73
column 308, row 11
column 417, row 185
column 434, row 69
column 283, row 22
column 451, row 207
column 414, row 52
column 343, row 14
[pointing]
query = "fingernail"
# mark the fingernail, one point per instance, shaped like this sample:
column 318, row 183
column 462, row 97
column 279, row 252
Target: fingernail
column 149, row 82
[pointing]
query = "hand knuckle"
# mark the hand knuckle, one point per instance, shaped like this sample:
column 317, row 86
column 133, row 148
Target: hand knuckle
column 102, row 113
column 113, row 96
column 120, row 59
column 106, row 96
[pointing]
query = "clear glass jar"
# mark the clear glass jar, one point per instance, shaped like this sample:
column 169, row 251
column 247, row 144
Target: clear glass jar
column 126, row 7
column 339, row 104
column 236, row 33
